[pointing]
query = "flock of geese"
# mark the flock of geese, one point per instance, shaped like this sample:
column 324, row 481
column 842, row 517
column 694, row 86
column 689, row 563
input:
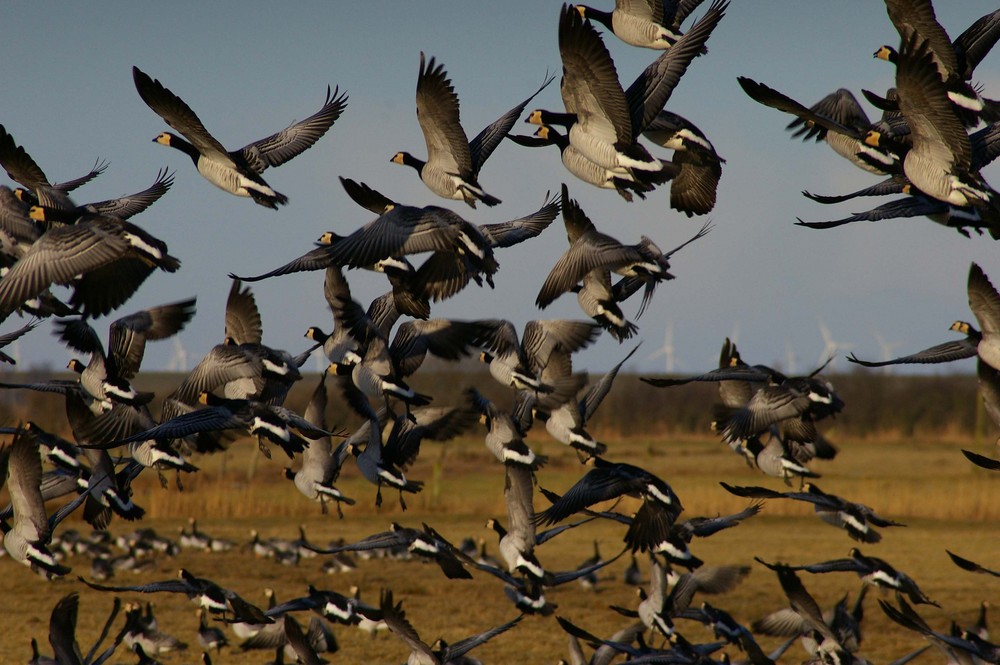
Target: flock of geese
column 77, row 262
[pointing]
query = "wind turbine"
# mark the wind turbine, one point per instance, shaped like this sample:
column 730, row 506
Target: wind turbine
column 886, row 348
column 667, row 350
column 790, row 359
column 831, row 348
column 179, row 361
column 320, row 361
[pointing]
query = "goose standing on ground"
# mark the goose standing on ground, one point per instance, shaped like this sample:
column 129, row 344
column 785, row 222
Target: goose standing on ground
column 237, row 172
column 453, row 162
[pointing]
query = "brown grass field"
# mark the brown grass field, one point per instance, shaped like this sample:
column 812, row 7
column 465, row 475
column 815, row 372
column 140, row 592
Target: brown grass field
column 944, row 500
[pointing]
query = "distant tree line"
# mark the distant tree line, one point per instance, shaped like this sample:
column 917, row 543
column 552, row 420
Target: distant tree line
column 876, row 404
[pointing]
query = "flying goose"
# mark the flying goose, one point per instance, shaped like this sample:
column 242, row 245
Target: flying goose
column 519, row 363
column 26, row 540
column 594, row 253
column 330, row 605
column 107, row 374
column 650, row 24
column 21, row 168
column 837, row 119
column 954, row 63
column 105, row 258
column 939, row 163
column 237, row 172
column 959, row 646
column 319, row 469
column 693, row 187
column 205, row 592
column 984, row 301
column 832, row 509
column 423, row 654
column 370, row 463
column 823, row 641
column 453, row 162
column 518, row 540
column 503, row 435
column 609, row 480
column 426, row 543
column 62, row 635
column 873, row 571
column 123, row 207
column 257, row 419
column 566, row 422
column 960, row 218
column 445, row 273
column 623, row 182
column 605, row 121
column 404, row 230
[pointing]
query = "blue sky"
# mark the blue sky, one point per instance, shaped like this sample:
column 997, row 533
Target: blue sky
column 250, row 68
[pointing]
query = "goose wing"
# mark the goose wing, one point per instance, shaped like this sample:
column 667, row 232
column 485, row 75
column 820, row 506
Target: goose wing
column 125, row 207
column 298, row 137
column 939, row 353
column 438, row 115
column 486, row 141
column 176, row 113
column 984, row 301
column 590, row 82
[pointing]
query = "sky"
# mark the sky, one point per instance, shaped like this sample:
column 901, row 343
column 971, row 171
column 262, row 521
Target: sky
column 250, row 68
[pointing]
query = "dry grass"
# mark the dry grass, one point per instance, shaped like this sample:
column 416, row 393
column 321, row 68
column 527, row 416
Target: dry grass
column 946, row 502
